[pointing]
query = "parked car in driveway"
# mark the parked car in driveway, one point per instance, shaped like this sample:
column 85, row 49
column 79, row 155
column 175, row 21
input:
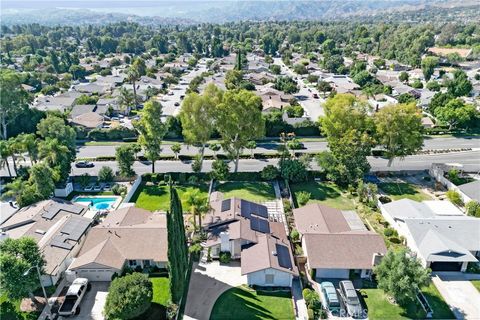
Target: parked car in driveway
column 84, row 164
column 73, row 298
column 350, row 299
column 329, row 297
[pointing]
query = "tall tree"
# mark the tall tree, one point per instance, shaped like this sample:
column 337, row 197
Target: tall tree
column 460, row 85
column 125, row 157
column 428, row 66
column 56, row 155
column 5, row 153
column 401, row 276
column 347, row 128
column 399, row 130
column 132, row 77
column 17, row 256
column 456, row 113
column 152, row 130
column 198, row 205
column 55, row 127
column 239, row 120
column 177, row 247
column 30, row 144
column 198, row 116
column 13, row 100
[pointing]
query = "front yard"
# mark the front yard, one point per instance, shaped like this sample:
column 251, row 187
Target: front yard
column 326, row 193
column 247, row 190
column 161, row 296
column 402, row 190
column 379, row 307
column 244, row 303
column 157, row 197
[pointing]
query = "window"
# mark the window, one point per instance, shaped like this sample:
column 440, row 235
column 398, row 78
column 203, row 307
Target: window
column 132, row 263
column 146, row 263
column 269, row 278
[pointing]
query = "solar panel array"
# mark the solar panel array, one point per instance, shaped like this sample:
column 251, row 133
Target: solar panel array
column 60, row 241
column 75, row 227
column 52, row 210
column 259, row 224
column 226, row 205
column 248, row 208
column 283, row 256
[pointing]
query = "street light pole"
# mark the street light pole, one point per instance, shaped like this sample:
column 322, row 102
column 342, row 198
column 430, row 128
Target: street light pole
column 43, row 288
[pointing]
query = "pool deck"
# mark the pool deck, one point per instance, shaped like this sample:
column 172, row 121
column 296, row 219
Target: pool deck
column 91, row 213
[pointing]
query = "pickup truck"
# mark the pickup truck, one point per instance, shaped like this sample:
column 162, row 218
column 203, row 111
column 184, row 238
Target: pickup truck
column 73, row 298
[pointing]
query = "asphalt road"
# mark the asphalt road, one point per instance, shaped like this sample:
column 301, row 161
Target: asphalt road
column 92, row 151
column 470, row 159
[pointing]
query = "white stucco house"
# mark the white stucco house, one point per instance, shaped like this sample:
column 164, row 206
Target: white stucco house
column 441, row 236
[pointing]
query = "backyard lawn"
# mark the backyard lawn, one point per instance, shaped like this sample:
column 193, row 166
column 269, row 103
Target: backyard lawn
column 380, row 308
column 244, row 303
column 161, row 295
column 398, row 191
column 476, row 284
column 158, row 197
column 253, row 191
column 325, row 193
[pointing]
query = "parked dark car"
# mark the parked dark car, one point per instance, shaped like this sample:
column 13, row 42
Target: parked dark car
column 84, row 164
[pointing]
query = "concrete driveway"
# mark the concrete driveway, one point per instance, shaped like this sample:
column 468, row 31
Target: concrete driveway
column 92, row 305
column 460, row 295
column 207, row 282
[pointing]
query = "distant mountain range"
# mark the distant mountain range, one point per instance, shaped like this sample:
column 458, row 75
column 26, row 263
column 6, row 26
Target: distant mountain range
column 54, row 12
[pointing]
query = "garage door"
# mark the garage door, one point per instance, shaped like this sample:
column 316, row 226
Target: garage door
column 333, row 273
column 95, row 274
column 446, row 266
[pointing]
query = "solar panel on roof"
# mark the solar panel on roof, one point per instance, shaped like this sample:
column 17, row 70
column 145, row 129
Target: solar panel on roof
column 283, row 256
column 260, row 210
column 75, row 227
column 245, row 208
column 259, row 224
column 59, row 241
column 226, row 205
column 50, row 211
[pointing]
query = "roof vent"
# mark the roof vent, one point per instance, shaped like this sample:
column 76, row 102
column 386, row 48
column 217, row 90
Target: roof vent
column 39, row 231
column 274, row 253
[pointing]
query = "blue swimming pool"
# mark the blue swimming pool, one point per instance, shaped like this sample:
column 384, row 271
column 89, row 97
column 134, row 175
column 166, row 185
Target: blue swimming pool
column 97, row 203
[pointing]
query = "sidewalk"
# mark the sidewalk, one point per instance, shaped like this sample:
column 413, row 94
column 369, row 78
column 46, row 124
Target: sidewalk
column 300, row 306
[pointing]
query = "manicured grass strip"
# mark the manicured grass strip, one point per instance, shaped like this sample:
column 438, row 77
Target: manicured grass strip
column 476, row 284
column 243, row 303
column 158, row 197
column 325, row 193
column 161, row 290
column 253, row 191
column 398, row 191
column 440, row 308
column 379, row 307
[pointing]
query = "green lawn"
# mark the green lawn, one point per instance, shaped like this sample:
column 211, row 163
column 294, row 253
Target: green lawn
column 161, row 290
column 158, row 197
column 476, row 284
column 243, row 303
column 253, row 191
column 10, row 310
column 380, row 308
column 439, row 306
column 325, row 193
column 398, row 191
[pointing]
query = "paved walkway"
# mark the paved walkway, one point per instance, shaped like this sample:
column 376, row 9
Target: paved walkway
column 300, row 306
column 460, row 295
column 207, row 282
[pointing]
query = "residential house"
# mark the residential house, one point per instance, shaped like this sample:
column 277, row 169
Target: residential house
column 441, row 236
column 336, row 243
column 427, row 122
column 130, row 237
column 105, row 103
column 247, row 231
column 260, row 78
column 57, row 103
column 342, row 83
column 88, row 116
column 59, row 229
column 93, row 88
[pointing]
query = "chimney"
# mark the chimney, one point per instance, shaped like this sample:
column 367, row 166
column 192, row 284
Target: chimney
column 377, row 257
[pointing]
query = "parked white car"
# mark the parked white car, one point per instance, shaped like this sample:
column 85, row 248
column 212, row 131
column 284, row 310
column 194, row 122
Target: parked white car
column 74, row 296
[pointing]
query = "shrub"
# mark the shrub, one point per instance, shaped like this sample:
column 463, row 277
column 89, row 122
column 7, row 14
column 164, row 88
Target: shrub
column 293, row 170
column 311, row 315
column 220, row 170
column 384, row 199
column 298, row 250
column 128, row 297
column 197, row 164
column 116, row 133
column 105, row 174
column 388, row 232
column 119, row 189
column 193, row 180
column 303, row 197
column 395, row 240
column 270, row 172
column 473, row 208
column 225, row 257
column 454, row 197
column 294, row 235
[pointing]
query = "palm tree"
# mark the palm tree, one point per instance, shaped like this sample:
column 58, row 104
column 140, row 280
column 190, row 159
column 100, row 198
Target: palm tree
column 4, row 155
column 198, row 205
column 15, row 148
column 30, row 144
column 52, row 152
column 125, row 99
column 14, row 189
column 132, row 76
